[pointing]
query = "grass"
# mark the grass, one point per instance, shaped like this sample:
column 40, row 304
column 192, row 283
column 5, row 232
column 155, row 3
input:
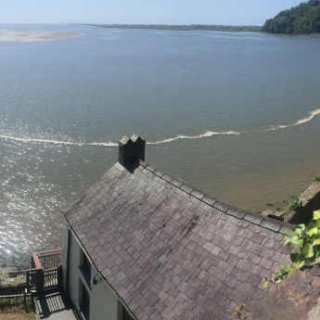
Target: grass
column 14, row 308
column 17, row 316
column 317, row 178
column 294, row 203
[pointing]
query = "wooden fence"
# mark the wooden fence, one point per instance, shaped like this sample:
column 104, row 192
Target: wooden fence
column 17, row 301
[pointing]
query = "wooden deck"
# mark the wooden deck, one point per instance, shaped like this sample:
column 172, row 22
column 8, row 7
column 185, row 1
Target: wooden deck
column 42, row 283
column 45, row 276
column 54, row 307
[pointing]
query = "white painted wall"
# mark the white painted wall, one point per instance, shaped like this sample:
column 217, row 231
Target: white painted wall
column 65, row 254
column 103, row 301
column 74, row 260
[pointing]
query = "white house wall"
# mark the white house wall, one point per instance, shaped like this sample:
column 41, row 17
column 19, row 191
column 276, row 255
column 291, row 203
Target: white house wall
column 74, row 259
column 65, row 254
column 103, row 301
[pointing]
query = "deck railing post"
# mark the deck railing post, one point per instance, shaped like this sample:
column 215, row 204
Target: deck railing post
column 25, row 300
column 27, row 280
column 60, row 278
column 40, row 281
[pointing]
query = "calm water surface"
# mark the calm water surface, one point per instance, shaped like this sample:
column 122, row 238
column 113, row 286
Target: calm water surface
column 159, row 84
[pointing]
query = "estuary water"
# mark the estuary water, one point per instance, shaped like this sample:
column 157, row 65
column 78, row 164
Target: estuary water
column 234, row 114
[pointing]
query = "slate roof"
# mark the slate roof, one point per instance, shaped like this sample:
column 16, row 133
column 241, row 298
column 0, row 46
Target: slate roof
column 171, row 252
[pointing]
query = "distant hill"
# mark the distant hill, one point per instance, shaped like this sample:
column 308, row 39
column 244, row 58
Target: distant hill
column 302, row 19
column 183, row 27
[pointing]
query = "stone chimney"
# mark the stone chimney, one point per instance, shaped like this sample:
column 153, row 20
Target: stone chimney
column 131, row 151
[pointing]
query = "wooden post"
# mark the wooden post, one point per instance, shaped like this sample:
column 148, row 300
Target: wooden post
column 40, row 281
column 25, row 300
column 60, row 278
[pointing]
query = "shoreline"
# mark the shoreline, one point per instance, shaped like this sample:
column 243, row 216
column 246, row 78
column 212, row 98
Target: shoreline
column 192, row 27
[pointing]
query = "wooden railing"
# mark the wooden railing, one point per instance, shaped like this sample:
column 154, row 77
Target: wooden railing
column 51, row 278
column 17, row 301
column 33, row 280
column 46, row 259
column 44, row 276
column 46, row 273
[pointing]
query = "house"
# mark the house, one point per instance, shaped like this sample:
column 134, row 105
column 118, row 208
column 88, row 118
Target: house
column 142, row 245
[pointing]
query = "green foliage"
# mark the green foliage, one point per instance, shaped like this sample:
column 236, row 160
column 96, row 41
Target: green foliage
column 302, row 19
column 317, row 178
column 306, row 242
column 294, row 203
column 17, row 303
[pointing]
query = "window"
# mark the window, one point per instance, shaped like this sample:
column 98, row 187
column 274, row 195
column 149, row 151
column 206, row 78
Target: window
column 85, row 268
column 84, row 301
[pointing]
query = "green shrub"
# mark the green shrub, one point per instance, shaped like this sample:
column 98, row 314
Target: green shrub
column 294, row 203
column 305, row 240
column 317, row 178
column 14, row 303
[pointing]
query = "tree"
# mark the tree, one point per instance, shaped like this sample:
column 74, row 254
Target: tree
column 302, row 19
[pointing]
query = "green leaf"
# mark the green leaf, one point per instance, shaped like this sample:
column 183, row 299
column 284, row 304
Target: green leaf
column 309, row 251
column 295, row 241
column 306, row 241
column 265, row 284
column 299, row 229
column 295, row 257
column 298, row 265
column 312, row 232
column 316, row 215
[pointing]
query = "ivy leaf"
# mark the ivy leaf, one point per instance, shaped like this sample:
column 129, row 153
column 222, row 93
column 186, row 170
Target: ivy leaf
column 316, row 215
column 298, row 265
column 299, row 229
column 312, row 232
column 295, row 241
column 309, row 251
column 306, row 241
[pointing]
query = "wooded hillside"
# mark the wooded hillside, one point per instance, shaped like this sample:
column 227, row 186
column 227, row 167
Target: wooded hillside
column 302, row 19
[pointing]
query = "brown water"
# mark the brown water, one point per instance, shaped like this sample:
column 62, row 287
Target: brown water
column 229, row 113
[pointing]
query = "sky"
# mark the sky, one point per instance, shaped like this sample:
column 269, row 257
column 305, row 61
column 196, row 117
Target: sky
column 228, row 12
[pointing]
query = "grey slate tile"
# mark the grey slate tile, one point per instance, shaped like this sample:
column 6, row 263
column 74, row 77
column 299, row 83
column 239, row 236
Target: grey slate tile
column 221, row 206
column 153, row 242
column 271, row 224
column 236, row 213
column 177, row 183
column 253, row 218
column 186, row 189
column 209, row 201
column 197, row 194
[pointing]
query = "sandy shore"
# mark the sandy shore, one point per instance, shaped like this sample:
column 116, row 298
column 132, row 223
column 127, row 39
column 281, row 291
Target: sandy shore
column 34, row 35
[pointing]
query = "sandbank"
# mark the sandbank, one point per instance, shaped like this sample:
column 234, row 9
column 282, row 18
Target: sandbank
column 34, row 35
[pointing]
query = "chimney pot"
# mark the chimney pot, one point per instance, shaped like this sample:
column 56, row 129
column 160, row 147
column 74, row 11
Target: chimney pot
column 131, row 151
